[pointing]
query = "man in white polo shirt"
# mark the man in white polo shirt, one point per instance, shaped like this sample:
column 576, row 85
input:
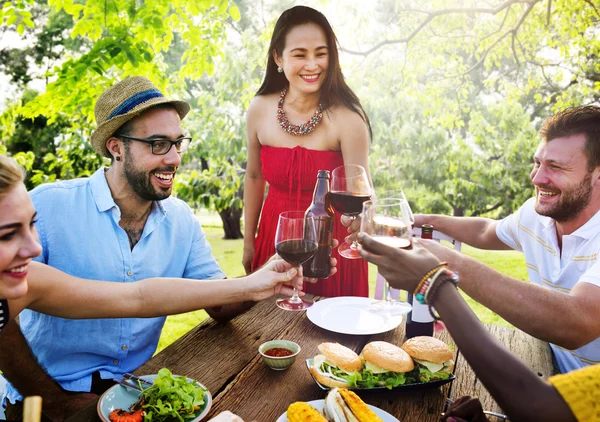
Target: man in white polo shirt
column 559, row 233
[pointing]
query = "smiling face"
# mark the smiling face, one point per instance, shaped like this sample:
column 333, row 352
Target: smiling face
column 305, row 58
column 18, row 242
column 151, row 176
column 565, row 188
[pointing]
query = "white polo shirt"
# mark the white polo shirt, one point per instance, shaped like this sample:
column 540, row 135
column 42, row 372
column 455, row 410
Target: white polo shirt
column 535, row 236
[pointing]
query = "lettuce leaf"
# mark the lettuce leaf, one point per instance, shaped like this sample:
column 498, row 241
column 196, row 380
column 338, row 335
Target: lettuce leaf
column 425, row 375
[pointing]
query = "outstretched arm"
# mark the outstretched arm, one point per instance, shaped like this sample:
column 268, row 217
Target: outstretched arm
column 526, row 305
column 50, row 289
column 518, row 391
column 475, row 231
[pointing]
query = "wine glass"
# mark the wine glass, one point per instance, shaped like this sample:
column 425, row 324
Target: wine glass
column 388, row 221
column 350, row 187
column 295, row 242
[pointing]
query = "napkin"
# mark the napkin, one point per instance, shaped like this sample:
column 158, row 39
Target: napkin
column 465, row 409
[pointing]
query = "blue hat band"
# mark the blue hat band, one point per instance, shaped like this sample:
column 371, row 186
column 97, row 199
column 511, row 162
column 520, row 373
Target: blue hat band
column 133, row 101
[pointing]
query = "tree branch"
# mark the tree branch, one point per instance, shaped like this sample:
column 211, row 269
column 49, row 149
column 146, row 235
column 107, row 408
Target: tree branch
column 433, row 15
column 593, row 6
column 485, row 211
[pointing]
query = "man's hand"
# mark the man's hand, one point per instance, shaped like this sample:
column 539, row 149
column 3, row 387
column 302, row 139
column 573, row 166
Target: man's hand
column 402, row 268
column 67, row 405
column 443, row 253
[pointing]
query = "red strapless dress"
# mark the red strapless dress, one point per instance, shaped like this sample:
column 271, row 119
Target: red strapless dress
column 291, row 174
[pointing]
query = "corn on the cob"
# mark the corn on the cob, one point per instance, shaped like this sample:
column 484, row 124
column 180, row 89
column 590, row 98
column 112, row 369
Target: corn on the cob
column 303, row 412
column 360, row 410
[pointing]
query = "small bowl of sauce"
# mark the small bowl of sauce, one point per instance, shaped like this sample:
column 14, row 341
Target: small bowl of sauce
column 279, row 354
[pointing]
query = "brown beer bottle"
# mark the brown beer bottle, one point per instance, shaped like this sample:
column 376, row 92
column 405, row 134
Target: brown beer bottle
column 419, row 321
column 322, row 213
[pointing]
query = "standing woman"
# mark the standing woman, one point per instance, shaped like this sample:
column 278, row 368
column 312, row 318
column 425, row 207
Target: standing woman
column 303, row 84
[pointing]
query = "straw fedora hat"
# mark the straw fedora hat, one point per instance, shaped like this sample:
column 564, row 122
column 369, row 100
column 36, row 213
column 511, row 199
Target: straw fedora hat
column 124, row 101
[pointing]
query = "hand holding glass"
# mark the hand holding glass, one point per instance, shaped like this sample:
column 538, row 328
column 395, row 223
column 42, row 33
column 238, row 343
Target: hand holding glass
column 350, row 188
column 295, row 242
column 388, row 221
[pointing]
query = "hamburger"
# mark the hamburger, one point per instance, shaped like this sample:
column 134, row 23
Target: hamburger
column 433, row 358
column 336, row 366
column 342, row 405
column 385, row 365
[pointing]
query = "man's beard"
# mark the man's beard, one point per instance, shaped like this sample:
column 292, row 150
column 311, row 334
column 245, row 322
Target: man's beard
column 571, row 203
column 140, row 182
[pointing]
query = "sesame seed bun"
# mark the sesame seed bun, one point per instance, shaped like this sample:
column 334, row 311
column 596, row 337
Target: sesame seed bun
column 387, row 356
column 428, row 348
column 341, row 356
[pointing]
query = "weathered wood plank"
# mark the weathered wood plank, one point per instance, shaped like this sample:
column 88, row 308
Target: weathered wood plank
column 213, row 352
column 534, row 353
column 262, row 394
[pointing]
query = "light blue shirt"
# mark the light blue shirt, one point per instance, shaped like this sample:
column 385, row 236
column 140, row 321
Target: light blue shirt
column 78, row 225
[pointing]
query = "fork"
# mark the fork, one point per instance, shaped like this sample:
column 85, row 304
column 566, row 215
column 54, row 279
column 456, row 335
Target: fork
column 486, row 412
column 132, row 382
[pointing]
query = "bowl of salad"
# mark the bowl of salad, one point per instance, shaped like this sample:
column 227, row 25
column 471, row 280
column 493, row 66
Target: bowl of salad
column 169, row 398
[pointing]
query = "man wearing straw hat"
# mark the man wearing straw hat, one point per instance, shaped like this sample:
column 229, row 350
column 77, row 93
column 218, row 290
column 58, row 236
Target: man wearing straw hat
column 119, row 224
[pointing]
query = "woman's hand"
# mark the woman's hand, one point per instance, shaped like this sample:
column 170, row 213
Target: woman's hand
column 353, row 224
column 248, row 257
column 276, row 276
column 402, row 268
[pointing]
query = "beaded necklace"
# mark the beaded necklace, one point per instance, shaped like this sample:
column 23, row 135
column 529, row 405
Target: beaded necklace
column 301, row 129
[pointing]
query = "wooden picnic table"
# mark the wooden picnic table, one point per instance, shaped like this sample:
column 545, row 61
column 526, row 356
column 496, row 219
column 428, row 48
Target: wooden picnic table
column 224, row 357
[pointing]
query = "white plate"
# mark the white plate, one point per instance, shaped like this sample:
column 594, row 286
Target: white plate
column 318, row 404
column 349, row 315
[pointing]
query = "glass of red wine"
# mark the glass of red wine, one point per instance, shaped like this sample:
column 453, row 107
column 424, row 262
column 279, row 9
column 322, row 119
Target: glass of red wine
column 350, row 187
column 295, row 242
column 388, row 221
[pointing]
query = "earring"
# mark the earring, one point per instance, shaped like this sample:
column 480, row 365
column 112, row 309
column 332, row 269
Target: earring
column 279, row 69
column 118, row 158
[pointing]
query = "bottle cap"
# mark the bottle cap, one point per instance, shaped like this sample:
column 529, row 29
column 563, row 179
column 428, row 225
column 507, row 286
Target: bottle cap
column 323, row 174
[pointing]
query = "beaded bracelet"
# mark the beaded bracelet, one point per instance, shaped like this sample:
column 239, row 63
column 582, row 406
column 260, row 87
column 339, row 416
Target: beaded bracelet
column 425, row 283
column 446, row 276
column 425, row 277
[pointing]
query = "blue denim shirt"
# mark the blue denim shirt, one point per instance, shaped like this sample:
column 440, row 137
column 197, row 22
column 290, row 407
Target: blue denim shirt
column 78, row 225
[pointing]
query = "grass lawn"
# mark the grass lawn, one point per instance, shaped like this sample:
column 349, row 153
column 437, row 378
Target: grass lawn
column 229, row 256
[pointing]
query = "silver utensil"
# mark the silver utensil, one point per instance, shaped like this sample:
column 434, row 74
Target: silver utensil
column 486, row 412
column 132, row 382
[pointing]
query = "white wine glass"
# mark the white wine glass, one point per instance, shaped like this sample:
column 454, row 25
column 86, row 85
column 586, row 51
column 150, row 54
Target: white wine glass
column 388, row 221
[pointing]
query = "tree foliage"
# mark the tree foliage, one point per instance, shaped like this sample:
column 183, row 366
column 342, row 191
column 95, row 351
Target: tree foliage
column 455, row 89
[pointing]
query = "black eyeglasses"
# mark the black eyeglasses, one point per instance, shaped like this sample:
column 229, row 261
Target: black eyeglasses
column 163, row 146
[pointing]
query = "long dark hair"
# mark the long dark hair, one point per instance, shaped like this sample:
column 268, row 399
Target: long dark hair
column 334, row 90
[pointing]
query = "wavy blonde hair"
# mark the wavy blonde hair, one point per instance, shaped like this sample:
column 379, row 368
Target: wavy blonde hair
column 11, row 174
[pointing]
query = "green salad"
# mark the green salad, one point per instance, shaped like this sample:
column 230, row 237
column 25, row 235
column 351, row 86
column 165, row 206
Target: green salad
column 172, row 398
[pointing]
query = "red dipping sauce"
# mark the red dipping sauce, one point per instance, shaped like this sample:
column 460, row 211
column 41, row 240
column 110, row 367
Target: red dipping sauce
column 278, row 352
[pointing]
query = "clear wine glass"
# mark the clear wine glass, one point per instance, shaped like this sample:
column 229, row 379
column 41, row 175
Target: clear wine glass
column 350, row 188
column 295, row 242
column 388, row 221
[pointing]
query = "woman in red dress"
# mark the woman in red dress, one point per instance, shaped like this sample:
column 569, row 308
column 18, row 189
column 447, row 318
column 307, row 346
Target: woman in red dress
column 303, row 83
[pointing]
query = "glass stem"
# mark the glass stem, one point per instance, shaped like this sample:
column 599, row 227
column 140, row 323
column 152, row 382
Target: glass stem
column 295, row 298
